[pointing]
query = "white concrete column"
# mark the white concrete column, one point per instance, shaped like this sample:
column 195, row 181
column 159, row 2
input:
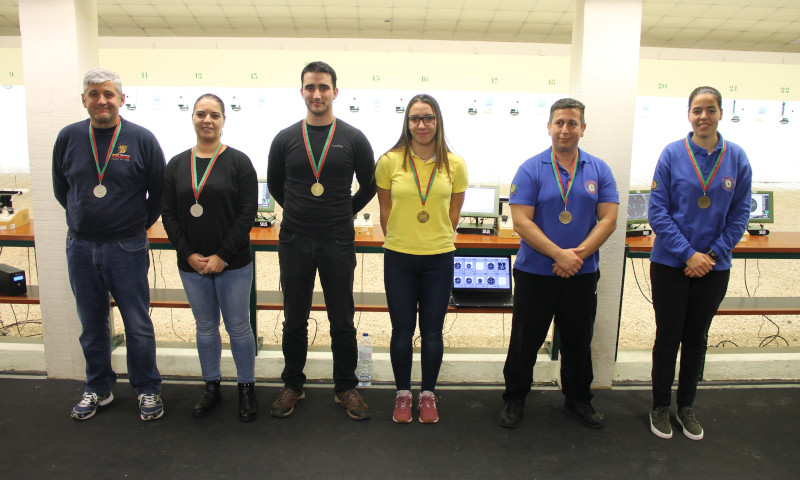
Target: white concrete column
column 59, row 44
column 604, row 75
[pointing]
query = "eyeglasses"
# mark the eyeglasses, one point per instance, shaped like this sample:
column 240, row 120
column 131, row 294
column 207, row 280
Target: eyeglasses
column 427, row 120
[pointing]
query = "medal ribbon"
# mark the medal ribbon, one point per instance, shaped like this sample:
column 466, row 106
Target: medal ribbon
column 102, row 171
column 416, row 180
column 564, row 193
column 316, row 166
column 705, row 183
column 198, row 187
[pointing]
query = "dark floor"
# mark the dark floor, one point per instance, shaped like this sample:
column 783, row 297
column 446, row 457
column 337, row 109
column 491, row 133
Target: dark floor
column 750, row 433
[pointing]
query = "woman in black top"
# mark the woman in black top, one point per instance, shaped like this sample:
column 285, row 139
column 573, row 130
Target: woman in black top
column 210, row 202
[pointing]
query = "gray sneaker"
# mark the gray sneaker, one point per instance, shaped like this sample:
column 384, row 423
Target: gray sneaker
column 659, row 422
column 691, row 427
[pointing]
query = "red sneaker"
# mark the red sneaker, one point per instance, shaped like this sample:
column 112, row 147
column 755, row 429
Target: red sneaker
column 402, row 408
column 427, row 408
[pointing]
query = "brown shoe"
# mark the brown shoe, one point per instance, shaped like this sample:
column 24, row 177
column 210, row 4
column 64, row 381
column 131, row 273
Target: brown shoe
column 283, row 406
column 355, row 405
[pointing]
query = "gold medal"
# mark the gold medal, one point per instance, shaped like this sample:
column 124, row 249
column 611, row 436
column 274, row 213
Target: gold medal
column 704, row 202
column 565, row 217
column 423, row 216
column 196, row 210
column 100, row 191
column 317, row 189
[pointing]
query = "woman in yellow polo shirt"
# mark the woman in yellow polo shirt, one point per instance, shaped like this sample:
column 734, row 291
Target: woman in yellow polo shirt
column 421, row 187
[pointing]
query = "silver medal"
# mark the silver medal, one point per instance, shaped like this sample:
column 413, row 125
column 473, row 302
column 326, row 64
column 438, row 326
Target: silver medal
column 196, row 210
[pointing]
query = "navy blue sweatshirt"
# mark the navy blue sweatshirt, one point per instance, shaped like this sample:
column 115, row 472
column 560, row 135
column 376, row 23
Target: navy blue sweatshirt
column 133, row 180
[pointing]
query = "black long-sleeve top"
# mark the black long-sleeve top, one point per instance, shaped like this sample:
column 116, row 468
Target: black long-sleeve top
column 229, row 200
column 133, row 181
column 290, row 178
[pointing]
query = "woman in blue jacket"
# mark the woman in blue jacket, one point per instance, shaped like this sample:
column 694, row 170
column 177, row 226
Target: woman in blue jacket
column 699, row 209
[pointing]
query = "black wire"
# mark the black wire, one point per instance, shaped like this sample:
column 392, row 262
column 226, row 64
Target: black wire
column 724, row 342
column 636, row 277
column 316, row 327
column 275, row 327
column 771, row 338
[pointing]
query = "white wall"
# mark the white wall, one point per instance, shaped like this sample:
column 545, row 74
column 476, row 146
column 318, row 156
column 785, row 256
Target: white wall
column 493, row 142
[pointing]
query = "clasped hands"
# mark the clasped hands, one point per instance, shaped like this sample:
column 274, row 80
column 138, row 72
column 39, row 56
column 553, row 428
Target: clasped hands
column 205, row 265
column 567, row 262
column 698, row 265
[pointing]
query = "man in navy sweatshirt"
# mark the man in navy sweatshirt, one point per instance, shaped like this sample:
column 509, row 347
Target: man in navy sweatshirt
column 107, row 174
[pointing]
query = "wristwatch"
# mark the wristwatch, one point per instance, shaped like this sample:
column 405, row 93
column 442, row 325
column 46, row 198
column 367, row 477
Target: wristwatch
column 711, row 253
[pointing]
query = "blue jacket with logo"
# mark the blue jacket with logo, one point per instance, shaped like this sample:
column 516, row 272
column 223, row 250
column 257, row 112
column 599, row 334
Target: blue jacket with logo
column 681, row 226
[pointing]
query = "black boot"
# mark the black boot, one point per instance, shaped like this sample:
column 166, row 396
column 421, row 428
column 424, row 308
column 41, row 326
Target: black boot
column 210, row 398
column 248, row 408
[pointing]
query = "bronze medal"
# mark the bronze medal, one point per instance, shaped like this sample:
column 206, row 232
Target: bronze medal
column 423, row 216
column 100, row 191
column 196, row 210
column 704, row 202
column 565, row 217
column 317, row 189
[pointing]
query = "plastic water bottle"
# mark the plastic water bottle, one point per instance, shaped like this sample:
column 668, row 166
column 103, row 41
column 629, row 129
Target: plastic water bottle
column 364, row 367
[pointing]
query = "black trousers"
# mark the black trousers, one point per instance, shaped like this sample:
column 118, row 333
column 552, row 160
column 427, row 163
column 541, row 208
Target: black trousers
column 684, row 308
column 538, row 299
column 300, row 259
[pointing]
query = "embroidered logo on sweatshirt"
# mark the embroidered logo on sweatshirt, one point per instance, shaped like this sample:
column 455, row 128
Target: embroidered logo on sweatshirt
column 728, row 183
column 120, row 155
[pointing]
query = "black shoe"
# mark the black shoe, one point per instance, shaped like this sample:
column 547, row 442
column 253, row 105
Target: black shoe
column 248, row 408
column 210, row 399
column 511, row 416
column 584, row 413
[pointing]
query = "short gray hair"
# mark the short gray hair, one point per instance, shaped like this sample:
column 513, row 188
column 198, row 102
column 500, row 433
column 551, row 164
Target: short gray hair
column 101, row 75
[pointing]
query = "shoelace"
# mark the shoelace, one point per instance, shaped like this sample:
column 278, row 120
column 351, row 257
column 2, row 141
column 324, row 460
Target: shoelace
column 403, row 401
column 148, row 400
column 427, row 401
column 688, row 416
column 352, row 396
column 285, row 395
column 88, row 399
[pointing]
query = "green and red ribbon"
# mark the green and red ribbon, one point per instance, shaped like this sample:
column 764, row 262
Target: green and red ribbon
column 316, row 165
column 564, row 193
column 198, row 187
column 102, row 171
column 705, row 182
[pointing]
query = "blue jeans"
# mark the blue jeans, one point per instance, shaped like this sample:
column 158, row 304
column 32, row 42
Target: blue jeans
column 411, row 280
column 300, row 257
column 119, row 268
column 227, row 292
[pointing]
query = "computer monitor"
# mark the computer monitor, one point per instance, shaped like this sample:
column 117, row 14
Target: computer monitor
column 762, row 207
column 481, row 201
column 265, row 201
column 638, row 201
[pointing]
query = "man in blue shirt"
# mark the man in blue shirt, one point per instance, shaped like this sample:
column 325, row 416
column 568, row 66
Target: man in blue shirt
column 107, row 174
column 564, row 206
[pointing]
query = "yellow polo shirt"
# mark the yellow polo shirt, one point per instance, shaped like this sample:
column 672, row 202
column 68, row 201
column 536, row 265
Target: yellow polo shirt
column 404, row 233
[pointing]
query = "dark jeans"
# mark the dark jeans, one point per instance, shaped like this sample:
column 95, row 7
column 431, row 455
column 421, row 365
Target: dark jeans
column 538, row 299
column 300, row 258
column 120, row 268
column 684, row 309
column 411, row 280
